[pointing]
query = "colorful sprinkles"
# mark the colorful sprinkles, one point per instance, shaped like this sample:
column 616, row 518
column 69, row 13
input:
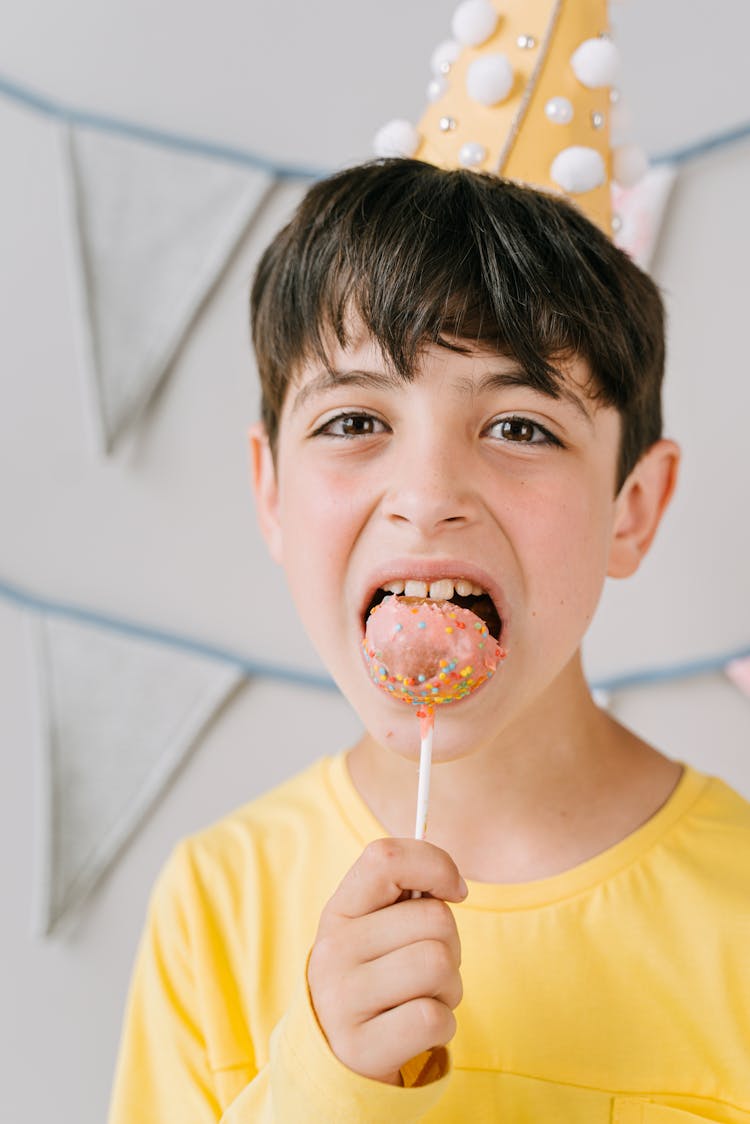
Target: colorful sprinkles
column 451, row 680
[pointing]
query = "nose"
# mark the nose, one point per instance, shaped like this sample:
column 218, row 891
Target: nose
column 430, row 485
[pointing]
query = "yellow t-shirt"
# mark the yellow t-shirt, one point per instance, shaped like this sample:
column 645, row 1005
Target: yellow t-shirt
column 617, row 992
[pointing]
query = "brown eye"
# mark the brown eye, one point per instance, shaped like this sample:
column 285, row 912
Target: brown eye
column 354, row 425
column 517, row 429
column 522, row 431
column 351, row 425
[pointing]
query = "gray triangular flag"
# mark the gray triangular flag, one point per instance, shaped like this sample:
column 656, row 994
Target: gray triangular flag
column 119, row 716
column 153, row 229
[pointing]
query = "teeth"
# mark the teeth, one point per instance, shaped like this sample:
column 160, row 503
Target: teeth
column 441, row 590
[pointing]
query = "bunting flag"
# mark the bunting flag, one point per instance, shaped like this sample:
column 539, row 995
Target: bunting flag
column 119, row 715
column 153, row 230
column 640, row 212
column 738, row 672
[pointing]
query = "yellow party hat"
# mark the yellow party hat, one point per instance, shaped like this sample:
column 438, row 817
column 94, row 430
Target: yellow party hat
column 525, row 89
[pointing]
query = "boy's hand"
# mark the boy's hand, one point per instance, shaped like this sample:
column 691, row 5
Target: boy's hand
column 383, row 972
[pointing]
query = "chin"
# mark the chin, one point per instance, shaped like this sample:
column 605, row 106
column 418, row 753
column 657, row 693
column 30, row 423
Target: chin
column 458, row 732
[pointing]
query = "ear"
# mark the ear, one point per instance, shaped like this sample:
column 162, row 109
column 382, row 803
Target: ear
column 266, row 489
column 639, row 507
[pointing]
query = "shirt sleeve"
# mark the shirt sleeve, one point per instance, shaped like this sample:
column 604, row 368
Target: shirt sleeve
column 164, row 1071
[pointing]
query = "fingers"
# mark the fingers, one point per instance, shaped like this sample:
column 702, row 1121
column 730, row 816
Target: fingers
column 427, row 968
column 404, row 923
column 377, row 1049
column 387, row 867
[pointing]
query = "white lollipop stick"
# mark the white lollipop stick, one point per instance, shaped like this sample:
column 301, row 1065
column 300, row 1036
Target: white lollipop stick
column 426, row 726
column 423, row 791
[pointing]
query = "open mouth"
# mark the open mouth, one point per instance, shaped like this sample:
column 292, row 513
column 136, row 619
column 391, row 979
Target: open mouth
column 460, row 591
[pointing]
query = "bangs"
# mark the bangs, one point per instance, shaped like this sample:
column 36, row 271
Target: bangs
column 420, row 268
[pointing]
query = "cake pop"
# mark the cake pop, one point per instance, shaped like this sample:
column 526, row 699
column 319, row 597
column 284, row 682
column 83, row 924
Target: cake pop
column 428, row 653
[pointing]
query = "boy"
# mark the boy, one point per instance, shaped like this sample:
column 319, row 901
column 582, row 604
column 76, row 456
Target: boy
column 461, row 398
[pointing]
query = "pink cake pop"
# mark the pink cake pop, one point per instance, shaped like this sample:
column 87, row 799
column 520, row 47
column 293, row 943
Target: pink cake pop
column 428, row 652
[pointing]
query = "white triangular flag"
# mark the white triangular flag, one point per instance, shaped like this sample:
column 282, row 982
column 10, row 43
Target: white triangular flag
column 738, row 672
column 153, row 230
column 640, row 210
column 119, row 716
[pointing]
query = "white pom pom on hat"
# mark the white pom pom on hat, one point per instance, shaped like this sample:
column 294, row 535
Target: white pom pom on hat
column 473, row 22
column 578, row 169
column 596, row 63
column 490, row 79
column 396, row 138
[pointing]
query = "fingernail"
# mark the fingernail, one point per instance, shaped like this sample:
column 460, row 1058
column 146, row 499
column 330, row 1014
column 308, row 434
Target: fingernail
column 463, row 888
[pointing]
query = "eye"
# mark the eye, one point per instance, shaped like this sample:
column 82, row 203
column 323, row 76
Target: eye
column 522, row 431
column 351, row 424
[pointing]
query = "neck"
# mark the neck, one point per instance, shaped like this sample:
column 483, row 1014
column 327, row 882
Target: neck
column 549, row 791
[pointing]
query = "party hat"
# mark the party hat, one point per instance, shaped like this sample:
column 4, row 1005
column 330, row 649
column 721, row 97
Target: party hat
column 526, row 89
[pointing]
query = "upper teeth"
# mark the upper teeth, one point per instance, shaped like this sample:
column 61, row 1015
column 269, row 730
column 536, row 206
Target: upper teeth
column 441, row 590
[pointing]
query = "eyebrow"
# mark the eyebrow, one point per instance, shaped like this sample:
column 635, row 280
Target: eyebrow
column 385, row 380
column 329, row 380
column 517, row 376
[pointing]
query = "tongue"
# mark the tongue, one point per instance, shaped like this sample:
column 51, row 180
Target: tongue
column 424, row 651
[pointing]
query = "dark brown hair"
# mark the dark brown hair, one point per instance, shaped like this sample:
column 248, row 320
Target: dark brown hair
column 419, row 255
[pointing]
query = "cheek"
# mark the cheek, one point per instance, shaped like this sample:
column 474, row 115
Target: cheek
column 320, row 505
column 321, row 516
column 566, row 544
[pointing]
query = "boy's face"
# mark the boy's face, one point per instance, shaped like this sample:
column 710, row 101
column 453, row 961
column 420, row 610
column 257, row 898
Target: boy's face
column 464, row 472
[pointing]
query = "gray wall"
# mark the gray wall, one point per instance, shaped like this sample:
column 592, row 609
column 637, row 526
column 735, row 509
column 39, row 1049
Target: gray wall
column 145, row 536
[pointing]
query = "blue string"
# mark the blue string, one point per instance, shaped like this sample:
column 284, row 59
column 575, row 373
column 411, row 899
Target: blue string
column 700, row 148
column 177, row 141
column 250, row 667
column 686, row 670
column 43, row 104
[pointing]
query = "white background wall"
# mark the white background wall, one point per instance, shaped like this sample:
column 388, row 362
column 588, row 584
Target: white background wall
column 164, row 532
